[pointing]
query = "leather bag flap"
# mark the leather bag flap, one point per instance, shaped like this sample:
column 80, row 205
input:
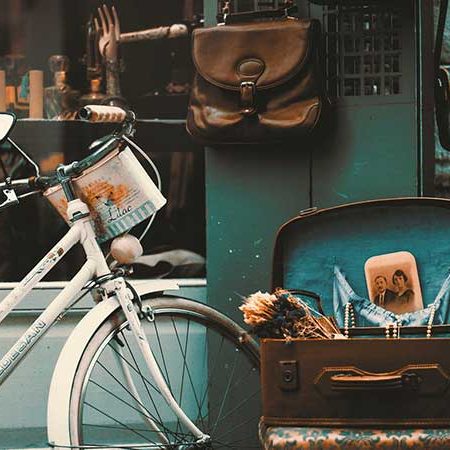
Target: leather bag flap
column 265, row 53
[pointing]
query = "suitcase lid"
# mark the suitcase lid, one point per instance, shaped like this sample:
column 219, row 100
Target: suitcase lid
column 309, row 246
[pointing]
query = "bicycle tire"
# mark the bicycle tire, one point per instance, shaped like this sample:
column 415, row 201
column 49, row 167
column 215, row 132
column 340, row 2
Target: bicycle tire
column 220, row 395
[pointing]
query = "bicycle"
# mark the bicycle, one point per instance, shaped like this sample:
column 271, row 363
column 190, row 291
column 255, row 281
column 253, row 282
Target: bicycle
column 142, row 369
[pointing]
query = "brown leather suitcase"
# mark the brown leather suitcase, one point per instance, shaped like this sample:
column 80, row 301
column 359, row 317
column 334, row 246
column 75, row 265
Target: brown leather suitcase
column 367, row 380
column 376, row 382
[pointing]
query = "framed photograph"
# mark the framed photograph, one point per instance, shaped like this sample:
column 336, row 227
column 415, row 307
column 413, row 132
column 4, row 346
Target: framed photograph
column 393, row 282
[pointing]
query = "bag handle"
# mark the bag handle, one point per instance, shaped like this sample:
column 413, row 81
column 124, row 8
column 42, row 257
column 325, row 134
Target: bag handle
column 373, row 382
column 428, row 379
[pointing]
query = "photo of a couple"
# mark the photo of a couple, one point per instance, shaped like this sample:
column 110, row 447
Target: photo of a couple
column 393, row 282
column 401, row 294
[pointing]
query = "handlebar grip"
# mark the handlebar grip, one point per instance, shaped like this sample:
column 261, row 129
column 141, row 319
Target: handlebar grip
column 103, row 113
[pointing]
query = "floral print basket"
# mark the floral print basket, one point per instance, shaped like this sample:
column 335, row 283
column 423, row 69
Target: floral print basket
column 118, row 192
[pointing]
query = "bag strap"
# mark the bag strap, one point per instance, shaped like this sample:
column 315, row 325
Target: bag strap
column 441, row 81
column 440, row 35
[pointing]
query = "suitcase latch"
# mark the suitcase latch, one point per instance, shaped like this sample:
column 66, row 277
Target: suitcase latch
column 288, row 379
column 411, row 380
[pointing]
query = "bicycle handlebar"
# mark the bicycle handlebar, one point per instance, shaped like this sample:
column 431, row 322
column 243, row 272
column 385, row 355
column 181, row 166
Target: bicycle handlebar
column 21, row 183
column 31, row 184
column 100, row 148
column 103, row 113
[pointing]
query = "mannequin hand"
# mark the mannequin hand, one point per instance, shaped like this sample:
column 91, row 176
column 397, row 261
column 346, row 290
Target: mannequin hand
column 109, row 32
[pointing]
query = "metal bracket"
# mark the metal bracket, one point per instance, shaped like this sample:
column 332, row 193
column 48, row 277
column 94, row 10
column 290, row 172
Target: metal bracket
column 148, row 313
column 11, row 198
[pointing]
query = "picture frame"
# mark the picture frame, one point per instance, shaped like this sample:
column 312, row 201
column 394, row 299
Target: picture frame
column 393, row 282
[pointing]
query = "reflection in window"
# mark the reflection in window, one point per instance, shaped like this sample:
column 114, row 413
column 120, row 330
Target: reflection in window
column 31, row 32
column 174, row 246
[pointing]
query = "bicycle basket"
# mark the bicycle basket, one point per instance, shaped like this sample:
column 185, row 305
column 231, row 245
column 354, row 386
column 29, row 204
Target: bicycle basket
column 118, row 192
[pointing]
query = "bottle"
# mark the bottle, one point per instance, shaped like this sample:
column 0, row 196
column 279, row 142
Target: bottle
column 17, row 85
column 60, row 99
column 95, row 96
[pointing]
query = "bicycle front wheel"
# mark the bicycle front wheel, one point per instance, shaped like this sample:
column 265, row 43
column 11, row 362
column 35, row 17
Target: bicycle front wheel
column 209, row 363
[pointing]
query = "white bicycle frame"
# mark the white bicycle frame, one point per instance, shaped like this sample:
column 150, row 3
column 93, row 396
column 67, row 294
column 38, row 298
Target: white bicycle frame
column 95, row 266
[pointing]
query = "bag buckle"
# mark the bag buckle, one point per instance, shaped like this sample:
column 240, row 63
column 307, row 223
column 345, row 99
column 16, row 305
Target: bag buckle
column 248, row 91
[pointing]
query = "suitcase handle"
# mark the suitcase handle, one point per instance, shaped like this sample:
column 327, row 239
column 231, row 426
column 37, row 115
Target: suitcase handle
column 375, row 382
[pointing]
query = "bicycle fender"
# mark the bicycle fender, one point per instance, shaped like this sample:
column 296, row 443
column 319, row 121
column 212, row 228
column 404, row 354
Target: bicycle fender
column 144, row 287
column 61, row 384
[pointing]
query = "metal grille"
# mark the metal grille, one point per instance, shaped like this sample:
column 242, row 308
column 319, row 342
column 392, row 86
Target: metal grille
column 363, row 51
column 253, row 5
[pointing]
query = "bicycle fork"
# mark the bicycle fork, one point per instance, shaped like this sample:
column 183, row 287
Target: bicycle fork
column 126, row 302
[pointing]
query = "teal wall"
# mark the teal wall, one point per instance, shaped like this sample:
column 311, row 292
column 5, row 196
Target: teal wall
column 375, row 147
column 249, row 194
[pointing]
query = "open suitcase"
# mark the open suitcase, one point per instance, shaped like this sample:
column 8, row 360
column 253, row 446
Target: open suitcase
column 368, row 381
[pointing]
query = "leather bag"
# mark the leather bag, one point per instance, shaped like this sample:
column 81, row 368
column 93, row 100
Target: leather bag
column 258, row 79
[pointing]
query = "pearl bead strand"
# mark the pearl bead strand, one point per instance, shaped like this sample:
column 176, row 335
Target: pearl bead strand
column 431, row 320
column 349, row 318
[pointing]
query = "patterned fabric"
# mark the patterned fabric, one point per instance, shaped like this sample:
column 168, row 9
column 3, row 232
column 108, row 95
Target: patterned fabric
column 299, row 438
column 369, row 314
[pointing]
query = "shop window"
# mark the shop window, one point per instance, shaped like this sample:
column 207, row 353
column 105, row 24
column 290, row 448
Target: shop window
column 155, row 77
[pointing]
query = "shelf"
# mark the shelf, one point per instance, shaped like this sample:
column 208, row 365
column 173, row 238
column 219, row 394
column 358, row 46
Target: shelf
column 72, row 137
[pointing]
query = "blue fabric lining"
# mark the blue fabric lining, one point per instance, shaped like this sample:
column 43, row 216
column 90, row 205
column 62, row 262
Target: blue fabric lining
column 369, row 314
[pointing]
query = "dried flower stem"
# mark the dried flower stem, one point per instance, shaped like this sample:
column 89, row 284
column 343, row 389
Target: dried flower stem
column 282, row 315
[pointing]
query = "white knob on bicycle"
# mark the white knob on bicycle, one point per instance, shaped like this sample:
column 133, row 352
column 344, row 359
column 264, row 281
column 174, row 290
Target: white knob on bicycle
column 103, row 113
column 126, row 249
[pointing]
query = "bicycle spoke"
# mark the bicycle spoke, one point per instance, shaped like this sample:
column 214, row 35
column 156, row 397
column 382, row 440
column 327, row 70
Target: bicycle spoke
column 162, row 354
column 187, row 368
column 182, row 383
column 211, row 374
column 242, row 402
column 134, row 368
column 233, row 445
column 210, row 377
column 241, row 424
column 119, row 422
column 112, row 427
column 184, row 353
column 148, row 415
column 225, row 394
column 142, row 377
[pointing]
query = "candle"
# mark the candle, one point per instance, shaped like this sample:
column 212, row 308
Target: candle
column 36, row 94
column 2, row 91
